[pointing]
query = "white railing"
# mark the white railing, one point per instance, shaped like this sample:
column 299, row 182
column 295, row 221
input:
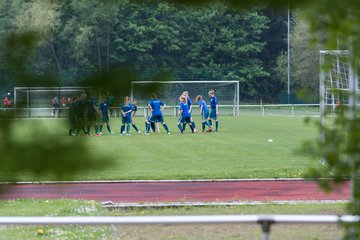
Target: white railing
column 264, row 220
column 292, row 110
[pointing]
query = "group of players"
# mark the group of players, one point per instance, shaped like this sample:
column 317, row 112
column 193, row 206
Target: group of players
column 84, row 113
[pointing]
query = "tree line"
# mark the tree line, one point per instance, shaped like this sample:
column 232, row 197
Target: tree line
column 74, row 38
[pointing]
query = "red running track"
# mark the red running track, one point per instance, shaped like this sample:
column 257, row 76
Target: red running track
column 127, row 192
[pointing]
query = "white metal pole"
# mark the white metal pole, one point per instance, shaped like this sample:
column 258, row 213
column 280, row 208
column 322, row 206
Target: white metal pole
column 238, row 98
column 353, row 89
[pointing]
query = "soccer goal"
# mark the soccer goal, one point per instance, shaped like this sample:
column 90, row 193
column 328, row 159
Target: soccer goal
column 339, row 83
column 227, row 93
column 37, row 101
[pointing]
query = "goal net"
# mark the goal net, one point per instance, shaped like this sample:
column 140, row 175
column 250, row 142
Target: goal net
column 38, row 101
column 338, row 82
column 169, row 92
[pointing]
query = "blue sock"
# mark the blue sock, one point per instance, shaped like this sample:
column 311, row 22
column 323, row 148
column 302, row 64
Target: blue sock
column 128, row 129
column 153, row 127
column 166, row 127
column 216, row 125
column 210, row 122
column 134, row 126
column 203, row 126
column 147, row 127
column 191, row 127
column 180, row 127
column 122, row 129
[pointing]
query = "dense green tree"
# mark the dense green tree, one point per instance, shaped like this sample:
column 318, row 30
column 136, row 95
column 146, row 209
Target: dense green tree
column 208, row 42
column 227, row 45
column 275, row 40
column 8, row 11
column 87, row 34
column 304, row 63
column 148, row 37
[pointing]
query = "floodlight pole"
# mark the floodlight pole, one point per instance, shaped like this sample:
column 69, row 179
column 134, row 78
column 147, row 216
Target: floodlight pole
column 288, row 50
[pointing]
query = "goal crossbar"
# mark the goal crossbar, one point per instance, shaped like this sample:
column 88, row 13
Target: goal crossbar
column 236, row 83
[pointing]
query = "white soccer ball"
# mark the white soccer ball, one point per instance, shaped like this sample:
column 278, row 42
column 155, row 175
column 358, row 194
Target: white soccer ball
column 270, row 140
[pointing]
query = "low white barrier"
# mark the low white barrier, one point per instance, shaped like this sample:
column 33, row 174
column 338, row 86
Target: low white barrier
column 231, row 110
column 264, row 220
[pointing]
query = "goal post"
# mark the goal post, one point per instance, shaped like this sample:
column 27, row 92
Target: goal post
column 338, row 81
column 227, row 92
column 36, row 101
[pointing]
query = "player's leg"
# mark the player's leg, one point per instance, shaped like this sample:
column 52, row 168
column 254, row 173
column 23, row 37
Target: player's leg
column 193, row 125
column 215, row 117
column 134, row 126
column 109, row 128
column 106, row 119
column 122, row 129
column 88, row 127
column 161, row 120
column 205, row 119
column 179, row 125
column 148, row 122
column 128, row 129
column 97, row 123
column 128, row 125
column 156, row 127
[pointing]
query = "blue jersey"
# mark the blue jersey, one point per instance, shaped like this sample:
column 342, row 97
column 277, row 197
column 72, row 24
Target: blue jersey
column 72, row 109
column 155, row 105
column 213, row 102
column 185, row 108
column 203, row 104
column 127, row 107
column 91, row 103
column 134, row 108
column 111, row 100
column 189, row 102
column 104, row 108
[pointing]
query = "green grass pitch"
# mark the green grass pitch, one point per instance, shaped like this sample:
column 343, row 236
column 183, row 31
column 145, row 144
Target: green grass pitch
column 239, row 150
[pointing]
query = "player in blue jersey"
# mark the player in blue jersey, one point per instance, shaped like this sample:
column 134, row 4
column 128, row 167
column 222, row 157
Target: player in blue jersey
column 110, row 102
column 81, row 113
column 92, row 113
column 134, row 110
column 204, row 112
column 156, row 106
column 214, row 105
column 186, row 94
column 72, row 117
column 185, row 115
column 152, row 124
column 126, row 110
column 104, row 108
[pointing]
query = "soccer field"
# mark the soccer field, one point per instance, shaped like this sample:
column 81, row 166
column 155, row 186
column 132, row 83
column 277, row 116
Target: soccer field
column 239, row 150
